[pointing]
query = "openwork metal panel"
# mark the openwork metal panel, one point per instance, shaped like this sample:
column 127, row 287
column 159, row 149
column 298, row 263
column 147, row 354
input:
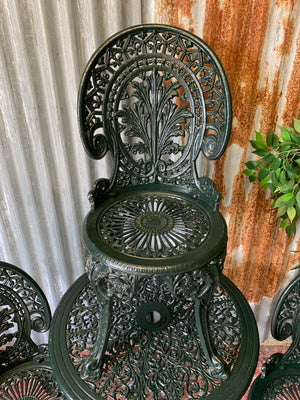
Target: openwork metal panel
column 46, row 175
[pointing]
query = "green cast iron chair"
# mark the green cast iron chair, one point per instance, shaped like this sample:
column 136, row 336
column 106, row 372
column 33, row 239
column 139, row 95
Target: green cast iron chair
column 154, row 317
column 25, row 372
column 280, row 376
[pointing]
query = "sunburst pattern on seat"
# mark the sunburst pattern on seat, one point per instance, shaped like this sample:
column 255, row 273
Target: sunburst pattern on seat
column 32, row 384
column 153, row 226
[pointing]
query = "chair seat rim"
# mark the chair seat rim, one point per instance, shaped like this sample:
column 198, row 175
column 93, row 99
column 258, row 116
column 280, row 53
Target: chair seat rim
column 211, row 247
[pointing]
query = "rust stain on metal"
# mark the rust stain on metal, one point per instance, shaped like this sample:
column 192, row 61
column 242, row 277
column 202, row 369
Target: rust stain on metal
column 258, row 254
column 252, row 225
column 292, row 108
column 175, row 12
column 243, row 31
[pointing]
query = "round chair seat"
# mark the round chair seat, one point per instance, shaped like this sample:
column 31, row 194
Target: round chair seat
column 32, row 381
column 154, row 231
column 167, row 363
column 282, row 383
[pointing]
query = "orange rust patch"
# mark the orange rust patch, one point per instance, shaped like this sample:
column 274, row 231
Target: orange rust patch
column 175, row 12
column 288, row 24
column 292, row 105
column 258, row 253
column 253, row 227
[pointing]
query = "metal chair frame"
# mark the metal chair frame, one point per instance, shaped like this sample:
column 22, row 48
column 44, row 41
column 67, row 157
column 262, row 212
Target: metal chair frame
column 155, row 98
column 280, row 375
column 25, row 371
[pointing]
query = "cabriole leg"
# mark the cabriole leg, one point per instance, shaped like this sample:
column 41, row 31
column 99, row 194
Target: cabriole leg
column 107, row 284
column 92, row 364
column 216, row 365
column 200, row 285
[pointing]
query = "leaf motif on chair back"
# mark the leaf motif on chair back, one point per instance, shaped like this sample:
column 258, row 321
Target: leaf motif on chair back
column 155, row 99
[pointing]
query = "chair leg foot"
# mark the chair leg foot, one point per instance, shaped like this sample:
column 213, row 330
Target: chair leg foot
column 91, row 368
column 217, row 368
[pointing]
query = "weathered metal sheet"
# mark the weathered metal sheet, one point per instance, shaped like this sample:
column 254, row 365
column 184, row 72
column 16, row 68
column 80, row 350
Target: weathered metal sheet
column 45, row 173
column 258, row 43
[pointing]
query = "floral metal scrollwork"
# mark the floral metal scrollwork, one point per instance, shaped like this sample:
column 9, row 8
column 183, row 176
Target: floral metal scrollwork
column 287, row 312
column 155, row 98
column 144, row 364
column 110, row 285
column 23, row 307
column 153, row 226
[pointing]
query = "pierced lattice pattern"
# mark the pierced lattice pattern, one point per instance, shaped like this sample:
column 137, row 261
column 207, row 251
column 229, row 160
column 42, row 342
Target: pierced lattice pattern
column 153, row 226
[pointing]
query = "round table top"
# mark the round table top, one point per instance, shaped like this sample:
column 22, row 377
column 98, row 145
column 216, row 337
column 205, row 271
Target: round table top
column 141, row 364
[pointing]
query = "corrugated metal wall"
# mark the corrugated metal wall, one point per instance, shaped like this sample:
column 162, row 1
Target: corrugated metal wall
column 45, row 173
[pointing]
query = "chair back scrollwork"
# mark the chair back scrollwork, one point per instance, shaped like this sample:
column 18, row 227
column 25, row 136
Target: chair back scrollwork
column 154, row 96
column 280, row 375
column 23, row 310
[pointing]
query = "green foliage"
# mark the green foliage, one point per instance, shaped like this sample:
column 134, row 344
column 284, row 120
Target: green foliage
column 278, row 169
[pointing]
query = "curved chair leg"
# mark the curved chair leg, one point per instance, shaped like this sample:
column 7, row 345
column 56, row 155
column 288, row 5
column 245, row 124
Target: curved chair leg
column 107, row 284
column 92, row 364
column 200, row 285
column 216, row 365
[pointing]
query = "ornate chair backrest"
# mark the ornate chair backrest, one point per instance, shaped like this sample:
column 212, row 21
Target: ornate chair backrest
column 23, row 309
column 155, row 96
column 280, row 375
column 286, row 321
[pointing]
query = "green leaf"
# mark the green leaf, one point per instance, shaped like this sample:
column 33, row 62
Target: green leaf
column 282, row 177
column 263, row 173
column 281, row 210
column 276, row 163
column 261, row 153
column 253, row 144
column 248, row 172
column 252, row 164
column 283, row 223
column 291, row 212
column 269, row 139
column 295, row 137
column 290, row 171
column 298, row 198
column 285, row 135
column 271, row 186
column 297, row 125
column 277, row 172
column 264, row 182
column 274, row 179
column 284, row 199
column 285, row 147
column 260, row 141
column 252, row 178
column 288, row 230
column 269, row 158
column 287, row 187
column 291, row 229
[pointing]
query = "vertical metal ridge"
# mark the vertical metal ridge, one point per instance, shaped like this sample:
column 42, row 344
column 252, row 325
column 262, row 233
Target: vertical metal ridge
column 30, row 172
